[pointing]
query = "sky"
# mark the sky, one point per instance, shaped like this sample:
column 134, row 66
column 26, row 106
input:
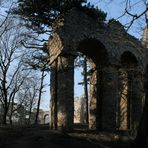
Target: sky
column 114, row 10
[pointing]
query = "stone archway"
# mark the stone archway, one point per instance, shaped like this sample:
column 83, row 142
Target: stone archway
column 46, row 118
column 103, row 78
column 103, row 43
column 130, row 92
column 97, row 62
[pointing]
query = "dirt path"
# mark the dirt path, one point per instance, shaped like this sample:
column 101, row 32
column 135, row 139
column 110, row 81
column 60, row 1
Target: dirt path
column 40, row 138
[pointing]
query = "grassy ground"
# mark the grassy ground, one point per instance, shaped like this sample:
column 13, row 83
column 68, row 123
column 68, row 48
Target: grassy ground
column 42, row 137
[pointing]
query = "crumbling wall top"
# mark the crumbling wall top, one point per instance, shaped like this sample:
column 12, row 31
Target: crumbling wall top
column 75, row 26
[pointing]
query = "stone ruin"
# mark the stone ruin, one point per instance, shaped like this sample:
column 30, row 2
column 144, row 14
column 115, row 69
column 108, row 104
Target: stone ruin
column 118, row 64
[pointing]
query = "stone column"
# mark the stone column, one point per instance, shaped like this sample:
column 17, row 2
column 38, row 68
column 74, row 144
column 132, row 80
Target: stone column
column 53, row 93
column 145, row 37
column 137, row 97
column 65, row 92
column 124, row 99
column 110, row 97
column 93, row 97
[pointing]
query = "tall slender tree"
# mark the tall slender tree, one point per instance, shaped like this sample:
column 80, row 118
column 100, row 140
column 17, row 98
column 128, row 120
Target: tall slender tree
column 85, row 75
column 10, row 43
column 40, row 94
column 82, row 62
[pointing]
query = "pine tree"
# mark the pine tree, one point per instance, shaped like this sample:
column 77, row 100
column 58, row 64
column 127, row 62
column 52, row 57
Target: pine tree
column 40, row 14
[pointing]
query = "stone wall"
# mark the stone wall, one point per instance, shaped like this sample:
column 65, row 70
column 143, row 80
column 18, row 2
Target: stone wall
column 103, row 44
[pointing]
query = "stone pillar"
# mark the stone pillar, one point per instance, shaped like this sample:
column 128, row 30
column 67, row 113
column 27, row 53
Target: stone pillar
column 93, row 97
column 62, row 93
column 65, row 92
column 137, row 98
column 96, row 95
column 110, row 97
column 124, row 100
column 53, row 93
column 103, row 98
column 145, row 37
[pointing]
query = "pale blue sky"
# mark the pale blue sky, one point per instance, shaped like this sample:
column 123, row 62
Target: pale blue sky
column 116, row 8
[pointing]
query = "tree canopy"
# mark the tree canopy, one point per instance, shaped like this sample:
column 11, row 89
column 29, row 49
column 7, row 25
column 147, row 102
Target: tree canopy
column 40, row 15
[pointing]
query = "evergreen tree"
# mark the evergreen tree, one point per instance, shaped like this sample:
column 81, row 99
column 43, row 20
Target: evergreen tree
column 40, row 14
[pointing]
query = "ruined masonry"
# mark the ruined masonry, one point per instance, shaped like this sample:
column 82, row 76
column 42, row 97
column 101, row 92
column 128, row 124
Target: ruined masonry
column 118, row 64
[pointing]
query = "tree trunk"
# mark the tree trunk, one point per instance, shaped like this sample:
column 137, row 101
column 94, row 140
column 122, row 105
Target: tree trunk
column 10, row 117
column 29, row 119
column 40, row 95
column 5, row 106
column 5, row 115
column 30, row 109
column 56, row 97
column 85, row 89
column 11, row 110
column 11, row 113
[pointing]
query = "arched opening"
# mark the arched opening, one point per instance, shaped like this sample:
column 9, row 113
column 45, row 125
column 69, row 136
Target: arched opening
column 128, row 60
column 97, row 58
column 126, row 89
column 95, row 50
column 102, row 101
column 81, row 91
column 46, row 118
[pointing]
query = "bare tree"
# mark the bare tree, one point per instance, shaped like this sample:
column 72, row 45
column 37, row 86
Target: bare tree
column 26, row 99
column 18, row 81
column 10, row 57
column 32, row 94
column 133, row 13
column 82, row 61
column 40, row 94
